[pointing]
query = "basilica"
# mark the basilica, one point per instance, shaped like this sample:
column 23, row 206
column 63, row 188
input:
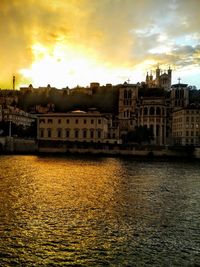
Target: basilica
column 170, row 111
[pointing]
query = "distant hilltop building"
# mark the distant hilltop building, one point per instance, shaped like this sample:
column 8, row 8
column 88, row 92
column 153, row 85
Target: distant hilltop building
column 163, row 79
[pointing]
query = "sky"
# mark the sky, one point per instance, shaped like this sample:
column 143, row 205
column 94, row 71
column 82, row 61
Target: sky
column 75, row 42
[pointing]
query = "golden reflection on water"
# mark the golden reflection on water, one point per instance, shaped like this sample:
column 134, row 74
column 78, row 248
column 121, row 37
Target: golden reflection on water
column 91, row 211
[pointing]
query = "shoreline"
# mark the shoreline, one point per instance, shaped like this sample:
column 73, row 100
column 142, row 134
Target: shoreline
column 34, row 147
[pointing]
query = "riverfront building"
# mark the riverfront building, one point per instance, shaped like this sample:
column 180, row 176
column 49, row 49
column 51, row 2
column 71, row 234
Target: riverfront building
column 17, row 116
column 76, row 126
column 186, row 126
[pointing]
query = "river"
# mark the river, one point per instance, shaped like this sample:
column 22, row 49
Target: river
column 89, row 211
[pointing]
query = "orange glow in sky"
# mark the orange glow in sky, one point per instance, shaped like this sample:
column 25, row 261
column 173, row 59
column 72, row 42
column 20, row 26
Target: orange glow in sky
column 69, row 43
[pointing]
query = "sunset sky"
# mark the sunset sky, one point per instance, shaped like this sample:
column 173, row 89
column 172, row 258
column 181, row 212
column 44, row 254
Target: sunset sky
column 70, row 42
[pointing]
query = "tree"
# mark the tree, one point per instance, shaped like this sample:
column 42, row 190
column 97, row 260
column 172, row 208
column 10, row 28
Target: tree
column 139, row 135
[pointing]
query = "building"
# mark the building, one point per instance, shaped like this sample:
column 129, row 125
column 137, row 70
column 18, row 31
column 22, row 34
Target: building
column 127, row 110
column 153, row 115
column 8, row 96
column 186, row 126
column 163, row 79
column 172, row 113
column 18, row 116
column 76, row 126
column 179, row 95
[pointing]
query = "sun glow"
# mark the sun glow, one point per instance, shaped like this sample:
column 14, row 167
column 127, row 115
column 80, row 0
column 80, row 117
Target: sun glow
column 63, row 66
column 60, row 65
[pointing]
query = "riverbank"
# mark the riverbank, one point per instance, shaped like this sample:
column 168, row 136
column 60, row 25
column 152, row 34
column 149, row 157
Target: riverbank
column 31, row 146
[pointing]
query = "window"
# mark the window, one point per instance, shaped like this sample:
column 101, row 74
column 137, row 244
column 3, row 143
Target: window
column 59, row 133
column 49, row 133
column 76, row 133
column 187, row 133
column 76, row 121
column 129, row 94
column 125, row 94
column 67, row 133
column 50, row 121
column 41, row 133
column 99, row 121
column 145, row 111
column 85, row 121
column 99, row 133
column 67, row 121
column 91, row 134
column 92, row 121
column 158, row 111
column 42, row 121
column 59, row 121
column 151, row 111
column 192, row 133
column 84, row 133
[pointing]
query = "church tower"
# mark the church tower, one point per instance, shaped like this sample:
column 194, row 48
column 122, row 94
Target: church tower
column 128, row 96
column 157, row 81
column 170, row 76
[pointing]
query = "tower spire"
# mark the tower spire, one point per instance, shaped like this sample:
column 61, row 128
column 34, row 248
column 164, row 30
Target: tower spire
column 13, row 82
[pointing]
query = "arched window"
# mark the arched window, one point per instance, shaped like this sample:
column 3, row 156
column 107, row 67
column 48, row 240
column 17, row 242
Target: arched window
column 76, row 133
column 129, row 94
column 59, row 132
column 158, row 111
column 67, row 133
column 145, row 111
column 125, row 94
column 151, row 111
column 157, row 130
column 84, row 133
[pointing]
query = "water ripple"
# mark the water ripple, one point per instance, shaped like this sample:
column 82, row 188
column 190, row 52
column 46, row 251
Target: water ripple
column 69, row 211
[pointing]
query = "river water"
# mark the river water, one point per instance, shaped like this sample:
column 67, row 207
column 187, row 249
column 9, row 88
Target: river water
column 84, row 211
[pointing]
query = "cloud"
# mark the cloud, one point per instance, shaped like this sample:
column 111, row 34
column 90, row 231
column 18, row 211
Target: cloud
column 115, row 33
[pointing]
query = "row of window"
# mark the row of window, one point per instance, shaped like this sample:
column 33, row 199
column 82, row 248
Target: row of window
column 192, row 119
column 192, row 112
column 192, row 125
column 188, row 141
column 152, row 111
column 67, row 133
column 127, row 94
column 158, row 120
column 127, row 102
column 187, row 133
column 67, row 121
